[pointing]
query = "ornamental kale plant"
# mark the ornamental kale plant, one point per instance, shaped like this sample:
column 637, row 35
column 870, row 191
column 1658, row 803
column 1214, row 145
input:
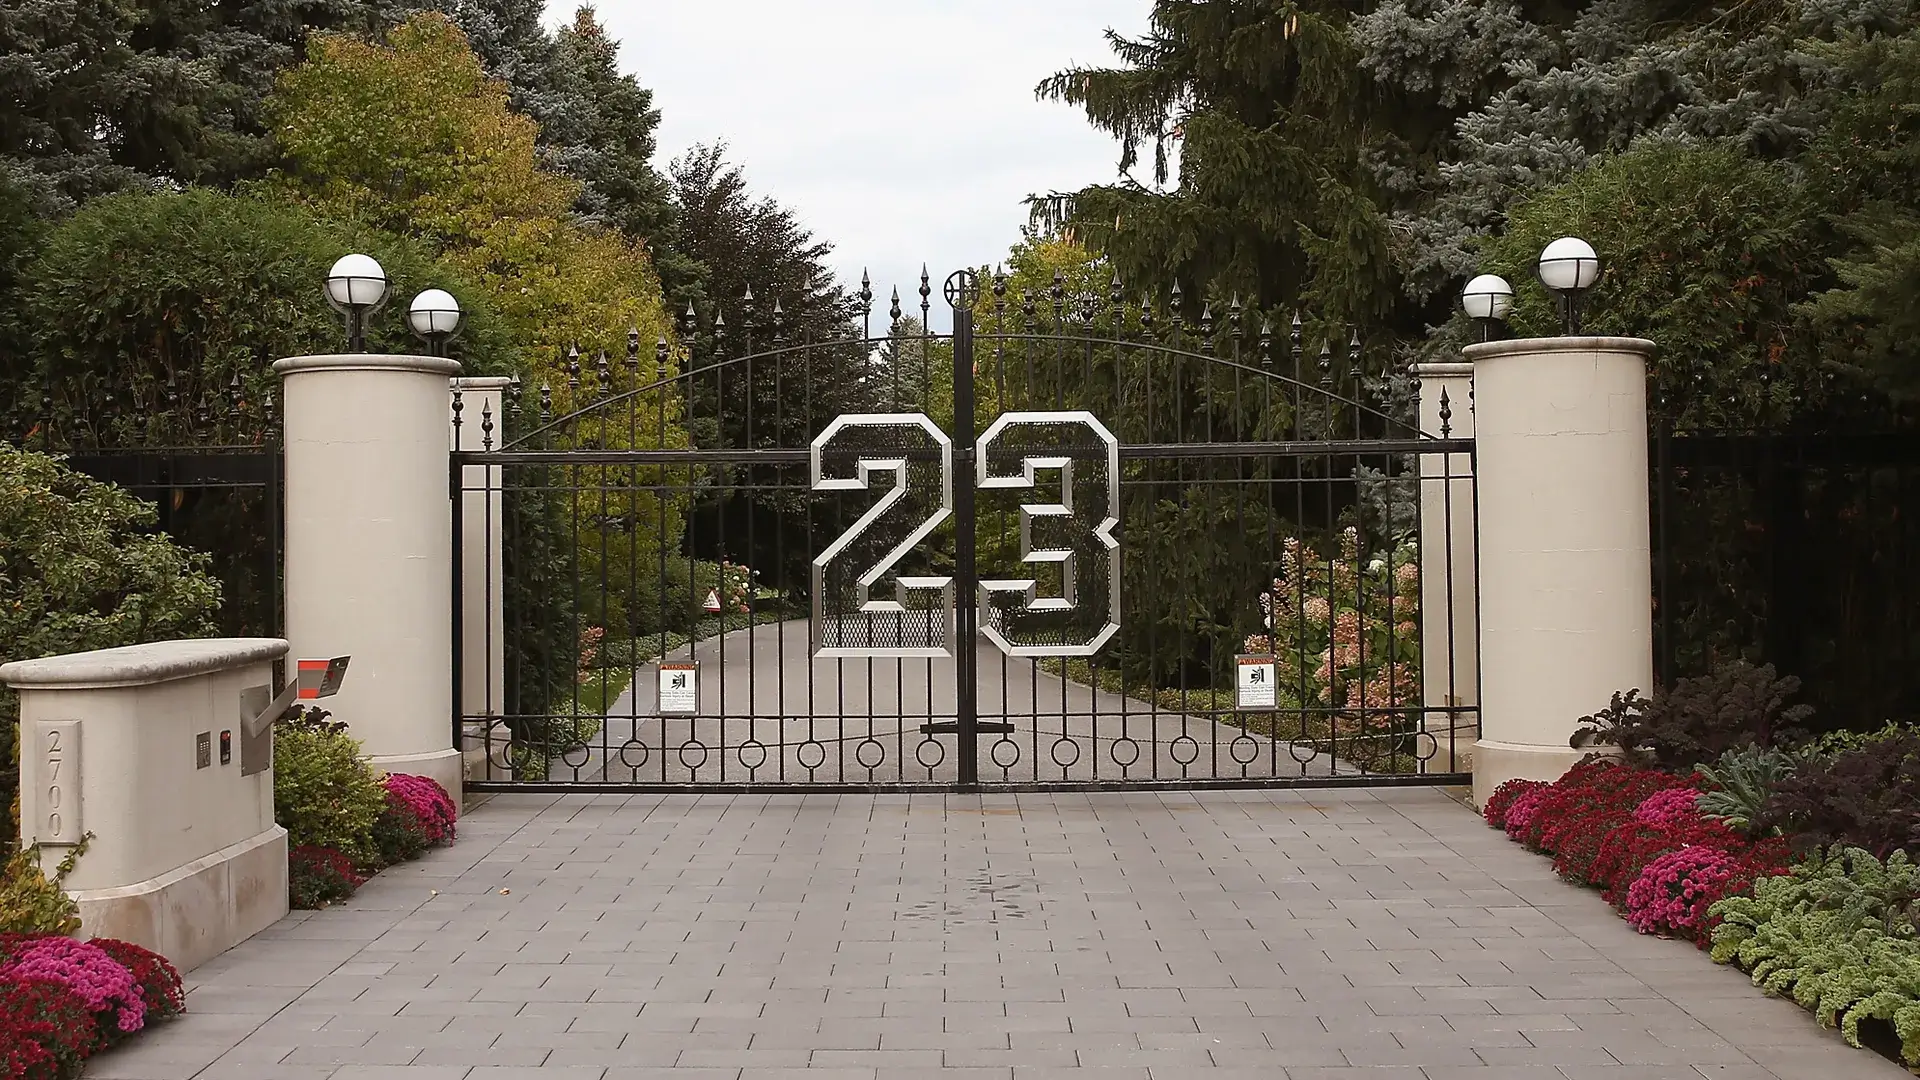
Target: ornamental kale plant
column 1837, row 935
column 1741, row 782
column 1699, row 719
column 1867, row 797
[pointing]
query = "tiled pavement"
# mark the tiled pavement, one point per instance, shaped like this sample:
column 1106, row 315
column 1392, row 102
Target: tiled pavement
column 1323, row 935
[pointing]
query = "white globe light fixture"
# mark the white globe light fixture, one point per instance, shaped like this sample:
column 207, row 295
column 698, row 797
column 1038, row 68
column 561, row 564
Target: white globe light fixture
column 1487, row 299
column 356, row 287
column 1568, row 268
column 434, row 317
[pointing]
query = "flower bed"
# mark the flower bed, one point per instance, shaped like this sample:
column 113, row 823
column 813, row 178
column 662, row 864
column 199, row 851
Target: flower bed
column 345, row 822
column 62, row 1001
column 1721, row 823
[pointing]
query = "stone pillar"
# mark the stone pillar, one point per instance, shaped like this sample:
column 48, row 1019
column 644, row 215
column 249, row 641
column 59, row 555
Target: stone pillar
column 483, row 677
column 369, row 550
column 1566, row 583
column 145, row 750
column 1449, row 613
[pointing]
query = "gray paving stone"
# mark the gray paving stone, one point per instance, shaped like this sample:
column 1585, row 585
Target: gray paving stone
column 1289, row 935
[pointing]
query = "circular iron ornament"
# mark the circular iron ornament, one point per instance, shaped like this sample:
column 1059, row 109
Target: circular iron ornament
column 1072, row 756
column 569, row 755
column 1425, row 746
column 879, row 753
column 627, row 756
column 1185, row 750
column 1245, row 744
column 962, row 289
column 687, row 752
column 758, row 752
column 1012, row 747
column 502, row 755
column 939, row 753
column 1298, row 748
column 811, row 755
column 1132, row 751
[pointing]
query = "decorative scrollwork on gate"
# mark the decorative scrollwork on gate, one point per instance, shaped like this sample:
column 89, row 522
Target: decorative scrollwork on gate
column 1074, row 534
column 848, row 620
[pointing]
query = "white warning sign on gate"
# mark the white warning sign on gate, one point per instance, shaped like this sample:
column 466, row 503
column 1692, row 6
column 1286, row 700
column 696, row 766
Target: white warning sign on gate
column 1256, row 683
column 678, row 691
column 713, row 601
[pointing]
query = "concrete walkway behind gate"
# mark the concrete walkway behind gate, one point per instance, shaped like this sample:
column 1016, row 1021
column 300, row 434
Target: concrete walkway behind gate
column 1315, row 935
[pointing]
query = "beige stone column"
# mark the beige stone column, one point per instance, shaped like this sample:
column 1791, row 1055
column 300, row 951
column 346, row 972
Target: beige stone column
column 483, row 677
column 369, row 552
column 1566, row 585
column 1449, row 625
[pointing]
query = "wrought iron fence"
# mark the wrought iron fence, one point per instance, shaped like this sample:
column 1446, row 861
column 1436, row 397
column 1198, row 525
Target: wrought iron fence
column 882, row 560
column 207, row 457
column 1799, row 549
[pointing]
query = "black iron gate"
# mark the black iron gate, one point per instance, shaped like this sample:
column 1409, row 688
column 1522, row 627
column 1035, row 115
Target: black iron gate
column 1075, row 542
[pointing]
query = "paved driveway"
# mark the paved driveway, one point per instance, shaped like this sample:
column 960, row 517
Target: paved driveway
column 1291, row 935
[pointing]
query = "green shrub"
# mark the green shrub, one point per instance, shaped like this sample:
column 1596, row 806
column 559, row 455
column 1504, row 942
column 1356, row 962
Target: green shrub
column 33, row 903
column 79, row 570
column 324, row 793
column 1831, row 743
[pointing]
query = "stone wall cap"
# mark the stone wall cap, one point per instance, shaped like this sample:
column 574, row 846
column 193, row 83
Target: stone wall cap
column 482, row 382
column 1488, row 350
column 1437, row 370
column 140, row 665
column 426, row 365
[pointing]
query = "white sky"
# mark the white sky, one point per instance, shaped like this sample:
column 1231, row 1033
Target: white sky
column 902, row 131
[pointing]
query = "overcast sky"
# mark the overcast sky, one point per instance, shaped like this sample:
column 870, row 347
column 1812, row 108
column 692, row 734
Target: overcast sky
column 903, row 131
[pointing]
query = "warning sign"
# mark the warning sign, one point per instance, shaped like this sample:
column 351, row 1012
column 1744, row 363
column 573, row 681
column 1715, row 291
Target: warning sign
column 713, row 601
column 678, row 693
column 1255, row 683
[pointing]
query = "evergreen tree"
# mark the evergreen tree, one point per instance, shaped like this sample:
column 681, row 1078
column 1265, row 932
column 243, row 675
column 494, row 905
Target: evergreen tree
column 1277, row 127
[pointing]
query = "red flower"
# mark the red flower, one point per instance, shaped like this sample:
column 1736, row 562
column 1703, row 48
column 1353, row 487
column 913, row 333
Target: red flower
column 159, row 981
column 46, row 1030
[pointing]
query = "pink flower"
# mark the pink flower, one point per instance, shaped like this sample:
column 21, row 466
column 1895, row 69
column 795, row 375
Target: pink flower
column 99, row 980
column 1675, row 891
column 1674, row 806
column 1520, row 812
column 428, row 802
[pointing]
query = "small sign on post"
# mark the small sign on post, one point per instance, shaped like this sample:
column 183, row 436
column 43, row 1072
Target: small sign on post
column 712, row 606
column 1256, row 683
column 677, row 691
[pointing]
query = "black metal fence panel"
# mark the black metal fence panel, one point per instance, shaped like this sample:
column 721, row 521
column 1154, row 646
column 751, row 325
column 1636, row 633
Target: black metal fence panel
column 1071, row 543
column 1796, row 549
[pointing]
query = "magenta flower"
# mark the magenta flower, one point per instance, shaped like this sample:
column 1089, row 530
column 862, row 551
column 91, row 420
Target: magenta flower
column 1674, row 806
column 1520, row 814
column 1673, row 893
column 428, row 802
column 99, row 980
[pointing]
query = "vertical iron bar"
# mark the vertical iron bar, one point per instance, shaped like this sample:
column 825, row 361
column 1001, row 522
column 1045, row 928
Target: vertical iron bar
column 966, row 573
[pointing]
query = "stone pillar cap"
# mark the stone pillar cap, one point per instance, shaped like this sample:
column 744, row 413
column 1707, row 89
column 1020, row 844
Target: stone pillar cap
column 1442, row 369
column 140, row 665
column 426, row 365
column 482, row 382
column 1488, row 350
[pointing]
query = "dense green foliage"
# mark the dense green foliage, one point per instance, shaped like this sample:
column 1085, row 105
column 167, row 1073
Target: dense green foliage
column 324, row 793
column 1838, row 936
column 80, row 569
